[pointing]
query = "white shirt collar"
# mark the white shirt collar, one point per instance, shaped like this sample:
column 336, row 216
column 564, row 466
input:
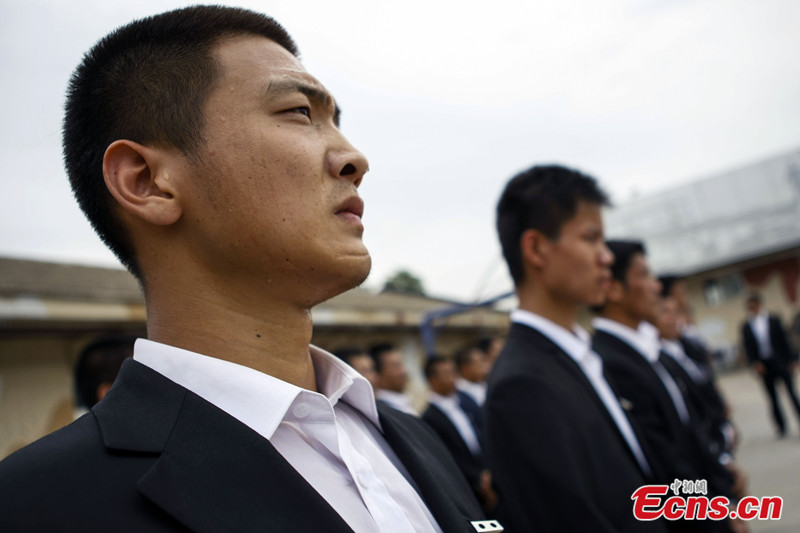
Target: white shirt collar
column 258, row 400
column 441, row 400
column 577, row 343
column 640, row 339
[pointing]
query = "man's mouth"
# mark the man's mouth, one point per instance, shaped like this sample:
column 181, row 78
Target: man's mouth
column 351, row 209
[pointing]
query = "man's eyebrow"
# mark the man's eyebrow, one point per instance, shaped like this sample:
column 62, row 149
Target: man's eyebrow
column 315, row 93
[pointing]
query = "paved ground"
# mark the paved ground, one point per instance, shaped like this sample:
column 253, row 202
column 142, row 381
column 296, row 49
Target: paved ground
column 772, row 464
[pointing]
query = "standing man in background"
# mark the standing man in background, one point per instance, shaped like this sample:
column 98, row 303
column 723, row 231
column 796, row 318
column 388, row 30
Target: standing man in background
column 456, row 427
column 563, row 454
column 392, row 377
column 769, row 353
column 626, row 338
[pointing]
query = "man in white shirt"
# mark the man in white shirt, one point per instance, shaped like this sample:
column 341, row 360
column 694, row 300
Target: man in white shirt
column 212, row 164
column 771, row 356
column 629, row 345
column 456, row 427
column 473, row 369
column 562, row 452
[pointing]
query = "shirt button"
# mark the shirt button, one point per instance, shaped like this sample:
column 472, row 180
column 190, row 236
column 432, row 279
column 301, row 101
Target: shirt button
column 301, row 410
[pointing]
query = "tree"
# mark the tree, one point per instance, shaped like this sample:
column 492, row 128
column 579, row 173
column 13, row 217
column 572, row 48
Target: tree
column 404, row 282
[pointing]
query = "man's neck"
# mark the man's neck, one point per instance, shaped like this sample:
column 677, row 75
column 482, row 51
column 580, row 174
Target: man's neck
column 618, row 314
column 563, row 313
column 272, row 337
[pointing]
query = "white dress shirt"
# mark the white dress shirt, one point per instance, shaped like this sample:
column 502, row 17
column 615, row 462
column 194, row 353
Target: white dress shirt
column 645, row 342
column 476, row 391
column 675, row 350
column 577, row 344
column 759, row 323
column 332, row 438
column 451, row 408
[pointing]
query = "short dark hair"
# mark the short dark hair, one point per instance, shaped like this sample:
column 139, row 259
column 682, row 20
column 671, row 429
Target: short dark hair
column 484, row 344
column 376, row 351
column 345, row 354
column 432, row 362
column 624, row 251
column 541, row 198
column 623, row 255
column 754, row 297
column 99, row 362
column 464, row 356
column 667, row 282
column 147, row 82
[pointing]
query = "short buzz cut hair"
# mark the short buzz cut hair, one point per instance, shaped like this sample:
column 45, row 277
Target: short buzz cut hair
column 667, row 282
column 541, row 198
column 464, row 356
column 147, row 82
column 432, row 364
column 376, row 352
column 624, row 252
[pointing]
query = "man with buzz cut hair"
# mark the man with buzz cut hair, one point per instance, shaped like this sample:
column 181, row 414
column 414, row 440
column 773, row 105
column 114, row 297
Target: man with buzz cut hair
column 627, row 340
column 562, row 452
column 211, row 162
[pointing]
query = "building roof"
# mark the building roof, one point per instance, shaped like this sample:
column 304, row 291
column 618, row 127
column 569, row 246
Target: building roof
column 52, row 292
column 729, row 217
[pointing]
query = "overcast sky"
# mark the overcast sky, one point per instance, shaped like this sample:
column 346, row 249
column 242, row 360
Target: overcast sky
column 448, row 100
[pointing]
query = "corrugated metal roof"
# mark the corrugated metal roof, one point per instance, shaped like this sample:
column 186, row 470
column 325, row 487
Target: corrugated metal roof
column 743, row 213
column 21, row 278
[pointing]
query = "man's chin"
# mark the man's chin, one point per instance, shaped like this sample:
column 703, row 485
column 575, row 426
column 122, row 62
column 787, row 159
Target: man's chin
column 351, row 272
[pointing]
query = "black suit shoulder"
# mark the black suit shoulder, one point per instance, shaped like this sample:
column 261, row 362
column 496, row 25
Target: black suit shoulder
column 667, row 440
column 56, row 483
column 153, row 456
column 468, row 464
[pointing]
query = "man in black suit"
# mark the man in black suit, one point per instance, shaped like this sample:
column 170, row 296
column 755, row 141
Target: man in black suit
column 562, row 452
column 629, row 344
column 457, row 427
column 704, row 395
column 769, row 353
column 212, row 164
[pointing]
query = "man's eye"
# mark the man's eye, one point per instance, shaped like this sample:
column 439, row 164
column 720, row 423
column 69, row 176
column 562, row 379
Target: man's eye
column 303, row 110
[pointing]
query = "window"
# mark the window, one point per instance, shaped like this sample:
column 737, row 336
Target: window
column 719, row 290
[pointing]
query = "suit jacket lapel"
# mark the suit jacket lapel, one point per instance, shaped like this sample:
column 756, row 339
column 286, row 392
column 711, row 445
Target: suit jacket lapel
column 563, row 359
column 213, row 473
column 424, row 458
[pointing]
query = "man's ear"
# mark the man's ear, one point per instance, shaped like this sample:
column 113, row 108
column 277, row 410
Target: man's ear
column 535, row 247
column 138, row 178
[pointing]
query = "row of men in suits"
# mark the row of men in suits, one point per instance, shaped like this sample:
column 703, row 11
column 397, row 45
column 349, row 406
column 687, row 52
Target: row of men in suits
column 212, row 164
column 574, row 424
column 457, row 390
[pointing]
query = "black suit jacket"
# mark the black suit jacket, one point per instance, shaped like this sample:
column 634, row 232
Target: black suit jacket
column 153, row 456
column 781, row 352
column 469, row 464
column 650, row 404
column 557, row 458
column 676, row 450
